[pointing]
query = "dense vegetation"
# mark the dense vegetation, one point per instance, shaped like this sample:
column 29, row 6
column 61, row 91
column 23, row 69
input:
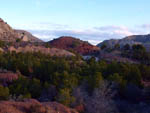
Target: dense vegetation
column 59, row 78
column 137, row 52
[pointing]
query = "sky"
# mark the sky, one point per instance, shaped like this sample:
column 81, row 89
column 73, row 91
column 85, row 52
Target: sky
column 89, row 20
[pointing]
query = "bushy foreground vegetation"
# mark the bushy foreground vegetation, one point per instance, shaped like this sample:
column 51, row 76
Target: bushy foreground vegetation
column 96, row 85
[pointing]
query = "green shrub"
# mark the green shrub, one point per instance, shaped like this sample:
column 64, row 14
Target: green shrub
column 18, row 40
column 65, row 97
column 4, row 93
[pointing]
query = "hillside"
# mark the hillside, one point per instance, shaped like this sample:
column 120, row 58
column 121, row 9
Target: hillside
column 71, row 43
column 23, row 41
column 33, row 106
column 8, row 34
column 42, row 49
column 41, row 77
column 134, row 39
column 28, row 36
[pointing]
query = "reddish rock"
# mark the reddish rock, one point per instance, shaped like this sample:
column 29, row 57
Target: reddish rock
column 70, row 43
column 8, row 77
column 33, row 106
column 79, row 108
column 59, row 108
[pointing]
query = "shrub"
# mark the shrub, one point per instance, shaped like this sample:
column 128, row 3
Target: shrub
column 4, row 93
column 65, row 97
column 2, row 43
column 101, row 100
column 103, row 46
column 18, row 40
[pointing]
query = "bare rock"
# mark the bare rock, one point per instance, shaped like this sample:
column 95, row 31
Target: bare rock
column 8, row 77
column 33, row 106
column 8, row 34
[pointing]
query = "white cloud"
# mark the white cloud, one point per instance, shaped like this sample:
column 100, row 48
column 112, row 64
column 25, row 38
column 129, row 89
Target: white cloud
column 145, row 26
column 44, row 37
column 112, row 27
column 48, row 31
column 119, row 30
column 91, row 35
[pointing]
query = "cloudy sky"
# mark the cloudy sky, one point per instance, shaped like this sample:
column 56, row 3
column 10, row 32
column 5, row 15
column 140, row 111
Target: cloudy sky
column 90, row 20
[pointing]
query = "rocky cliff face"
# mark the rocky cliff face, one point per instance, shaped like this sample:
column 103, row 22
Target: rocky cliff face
column 6, row 32
column 10, row 35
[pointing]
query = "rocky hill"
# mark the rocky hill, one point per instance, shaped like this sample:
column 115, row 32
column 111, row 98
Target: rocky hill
column 10, row 35
column 134, row 39
column 33, row 106
column 71, row 43
column 26, row 36
column 6, row 32
column 23, row 41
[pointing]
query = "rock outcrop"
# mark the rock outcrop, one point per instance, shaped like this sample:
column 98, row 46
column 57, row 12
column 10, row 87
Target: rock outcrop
column 8, row 34
column 8, row 77
column 26, row 36
column 33, row 106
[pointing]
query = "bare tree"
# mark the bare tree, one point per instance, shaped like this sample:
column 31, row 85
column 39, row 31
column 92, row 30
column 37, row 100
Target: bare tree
column 100, row 101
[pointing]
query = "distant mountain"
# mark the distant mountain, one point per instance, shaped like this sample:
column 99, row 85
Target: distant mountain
column 74, row 44
column 134, row 39
column 10, row 35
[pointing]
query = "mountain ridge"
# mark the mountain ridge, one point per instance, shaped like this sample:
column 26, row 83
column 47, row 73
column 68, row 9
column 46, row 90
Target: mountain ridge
column 131, row 40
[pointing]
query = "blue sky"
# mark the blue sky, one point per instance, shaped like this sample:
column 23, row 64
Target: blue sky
column 90, row 20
